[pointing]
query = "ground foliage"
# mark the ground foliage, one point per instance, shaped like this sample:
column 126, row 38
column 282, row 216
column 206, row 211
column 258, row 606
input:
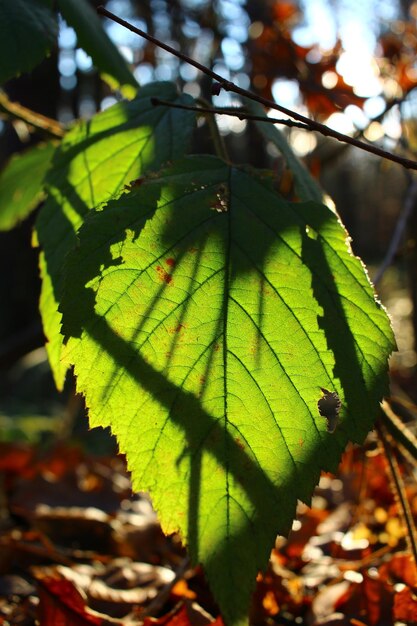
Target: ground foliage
column 77, row 549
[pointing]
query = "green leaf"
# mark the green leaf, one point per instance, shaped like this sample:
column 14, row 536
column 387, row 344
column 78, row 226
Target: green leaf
column 205, row 317
column 306, row 186
column 21, row 184
column 94, row 40
column 28, row 30
column 94, row 161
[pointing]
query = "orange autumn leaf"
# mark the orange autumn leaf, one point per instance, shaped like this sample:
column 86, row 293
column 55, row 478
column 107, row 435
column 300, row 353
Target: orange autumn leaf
column 275, row 55
column 61, row 604
column 284, row 12
column 400, row 568
column 405, row 606
column 181, row 590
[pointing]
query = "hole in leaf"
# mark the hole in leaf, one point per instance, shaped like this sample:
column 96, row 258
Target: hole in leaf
column 329, row 408
column 310, row 232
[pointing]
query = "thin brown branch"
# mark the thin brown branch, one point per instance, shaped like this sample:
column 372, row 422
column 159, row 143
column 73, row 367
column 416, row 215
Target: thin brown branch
column 401, row 434
column 227, row 85
column 407, row 209
column 233, row 112
column 360, row 134
column 159, row 601
column 388, row 106
column 19, row 112
column 399, row 489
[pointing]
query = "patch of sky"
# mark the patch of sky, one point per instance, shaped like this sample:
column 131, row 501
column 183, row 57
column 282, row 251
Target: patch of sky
column 242, row 80
column 286, row 92
column 229, row 10
column 356, row 22
column 222, row 69
column 119, row 7
column 83, row 60
column 67, row 39
column 68, row 82
column 162, row 23
column 188, row 72
column 319, row 25
column 107, row 102
column 235, row 21
column 358, row 117
column 190, row 28
column 237, row 31
column 203, row 46
column 144, row 73
column 123, row 37
column 374, row 106
column 66, row 63
column 233, row 53
column 194, row 4
column 165, row 72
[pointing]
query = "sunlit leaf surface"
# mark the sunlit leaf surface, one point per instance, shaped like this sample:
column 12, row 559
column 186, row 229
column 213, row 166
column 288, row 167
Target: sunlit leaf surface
column 206, row 319
column 95, row 160
column 21, row 184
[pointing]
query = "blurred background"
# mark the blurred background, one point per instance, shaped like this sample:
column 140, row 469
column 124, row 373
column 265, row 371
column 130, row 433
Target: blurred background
column 347, row 63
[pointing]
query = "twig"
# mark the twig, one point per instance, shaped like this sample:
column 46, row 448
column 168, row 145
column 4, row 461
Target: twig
column 357, row 566
column 408, row 207
column 19, row 112
column 45, row 551
column 159, row 601
column 360, row 134
column 388, row 106
column 401, row 434
column 234, row 112
column 230, row 86
column 399, row 488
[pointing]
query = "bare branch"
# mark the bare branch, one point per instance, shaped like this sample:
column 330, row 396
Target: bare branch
column 388, row 444
column 227, row 85
column 408, row 207
column 234, row 112
column 19, row 112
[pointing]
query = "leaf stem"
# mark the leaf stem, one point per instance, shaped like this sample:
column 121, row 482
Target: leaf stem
column 218, row 141
column 407, row 209
column 401, row 434
column 227, row 85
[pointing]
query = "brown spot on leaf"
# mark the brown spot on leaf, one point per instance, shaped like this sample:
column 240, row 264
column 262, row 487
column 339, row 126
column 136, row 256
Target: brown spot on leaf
column 239, row 443
column 163, row 275
column 171, row 262
column 176, row 329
